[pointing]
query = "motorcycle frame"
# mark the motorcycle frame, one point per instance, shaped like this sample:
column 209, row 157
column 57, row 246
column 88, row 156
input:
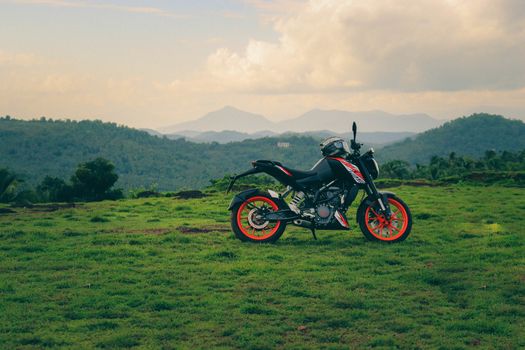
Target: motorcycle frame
column 273, row 169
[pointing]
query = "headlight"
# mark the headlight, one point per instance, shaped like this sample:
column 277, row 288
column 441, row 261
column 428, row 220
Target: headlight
column 372, row 167
column 376, row 169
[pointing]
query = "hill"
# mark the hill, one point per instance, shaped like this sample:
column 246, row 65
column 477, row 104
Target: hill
column 470, row 136
column 375, row 138
column 230, row 118
column 45, row 147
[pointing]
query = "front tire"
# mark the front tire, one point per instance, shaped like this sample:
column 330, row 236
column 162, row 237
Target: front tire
column 248, row 227
column 376, row 228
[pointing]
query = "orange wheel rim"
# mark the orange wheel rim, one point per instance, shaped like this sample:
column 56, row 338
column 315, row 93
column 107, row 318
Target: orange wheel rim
column 387, row 230
column 248, row 222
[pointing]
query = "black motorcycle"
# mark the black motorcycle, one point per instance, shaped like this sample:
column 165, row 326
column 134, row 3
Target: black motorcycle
column 319, row 198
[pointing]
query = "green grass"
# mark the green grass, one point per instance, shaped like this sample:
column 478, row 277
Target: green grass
column 165, row 273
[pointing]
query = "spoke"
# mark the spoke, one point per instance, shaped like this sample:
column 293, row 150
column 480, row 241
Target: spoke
column 252, row 206
column 375, row 213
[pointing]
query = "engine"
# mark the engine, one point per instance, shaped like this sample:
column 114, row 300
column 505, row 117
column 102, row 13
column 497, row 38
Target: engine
column 328, row 203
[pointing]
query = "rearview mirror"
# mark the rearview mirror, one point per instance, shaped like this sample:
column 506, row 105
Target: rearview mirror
column 354, row 129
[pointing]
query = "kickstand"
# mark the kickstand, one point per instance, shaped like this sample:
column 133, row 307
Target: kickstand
column 313, row 232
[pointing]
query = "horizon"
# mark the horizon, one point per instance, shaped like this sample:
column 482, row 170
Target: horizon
column 154, row 64
column 182, row 132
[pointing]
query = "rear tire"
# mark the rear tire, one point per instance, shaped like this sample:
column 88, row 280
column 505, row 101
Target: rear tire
column 376, row 228
column 248, row 228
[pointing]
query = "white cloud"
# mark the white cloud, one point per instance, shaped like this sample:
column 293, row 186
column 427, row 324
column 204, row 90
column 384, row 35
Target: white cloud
column 403, row 45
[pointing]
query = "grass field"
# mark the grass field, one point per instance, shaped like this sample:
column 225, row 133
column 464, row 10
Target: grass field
column 166, row 273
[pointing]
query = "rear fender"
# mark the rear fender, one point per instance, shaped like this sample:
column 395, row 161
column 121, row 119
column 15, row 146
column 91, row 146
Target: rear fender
column 241, row 197
column 369, row 200
column 269, row 170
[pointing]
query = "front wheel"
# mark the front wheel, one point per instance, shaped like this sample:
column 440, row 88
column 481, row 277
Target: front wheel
column 376, row 227
column 248, row 224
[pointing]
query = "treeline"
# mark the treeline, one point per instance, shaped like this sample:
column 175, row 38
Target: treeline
column 492, row 167
column 92, row 181
column 55, row 148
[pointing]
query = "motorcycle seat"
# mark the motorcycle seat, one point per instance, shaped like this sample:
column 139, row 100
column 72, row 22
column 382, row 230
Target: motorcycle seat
column 299, row 174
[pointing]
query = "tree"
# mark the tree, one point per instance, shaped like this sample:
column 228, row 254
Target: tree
column 54, row 189
column 396, row 169
column 93, row 180
column 8, row 184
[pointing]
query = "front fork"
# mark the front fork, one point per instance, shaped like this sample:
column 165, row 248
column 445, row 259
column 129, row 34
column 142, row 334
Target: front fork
column 371, row 190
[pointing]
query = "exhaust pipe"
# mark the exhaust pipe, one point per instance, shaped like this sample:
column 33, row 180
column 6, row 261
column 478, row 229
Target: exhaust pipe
column 303, row 223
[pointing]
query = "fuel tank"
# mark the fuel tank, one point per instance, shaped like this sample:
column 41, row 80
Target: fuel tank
column 324, row 170
column 331, row 168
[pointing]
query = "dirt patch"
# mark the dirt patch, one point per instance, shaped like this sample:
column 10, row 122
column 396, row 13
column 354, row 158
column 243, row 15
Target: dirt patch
column 6, row 211
column 202, row 229
column 148, row 194
column 189, row 194
column 45, row 207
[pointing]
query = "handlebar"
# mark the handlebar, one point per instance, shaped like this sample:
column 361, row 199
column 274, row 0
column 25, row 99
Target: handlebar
column 355, row 145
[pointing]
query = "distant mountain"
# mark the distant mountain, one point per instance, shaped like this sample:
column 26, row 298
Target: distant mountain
column 470, row 136
column 226, row 136
column 230, row 118
column 368, row 121
column 212, row 136
column 227, row 118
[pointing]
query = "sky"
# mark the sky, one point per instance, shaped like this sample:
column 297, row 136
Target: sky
column 155, row 63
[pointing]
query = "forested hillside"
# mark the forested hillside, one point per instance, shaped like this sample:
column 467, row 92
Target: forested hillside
column 470, row 136
column 45, row 147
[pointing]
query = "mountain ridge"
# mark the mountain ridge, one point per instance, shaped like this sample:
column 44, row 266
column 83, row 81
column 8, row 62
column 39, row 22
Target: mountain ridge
column 231, row 118
column 226, row 136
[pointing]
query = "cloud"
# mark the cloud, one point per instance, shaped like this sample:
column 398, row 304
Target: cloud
column 402, row 45
column 104, row 6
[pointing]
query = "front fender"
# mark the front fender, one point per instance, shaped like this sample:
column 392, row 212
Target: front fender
column 368, row 200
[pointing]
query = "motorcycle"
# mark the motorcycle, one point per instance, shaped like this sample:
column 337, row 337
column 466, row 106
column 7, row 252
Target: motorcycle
column 320, row 198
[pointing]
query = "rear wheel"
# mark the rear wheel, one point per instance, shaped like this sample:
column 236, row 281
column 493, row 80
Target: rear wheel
column 376, row 227
column 247, row 220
